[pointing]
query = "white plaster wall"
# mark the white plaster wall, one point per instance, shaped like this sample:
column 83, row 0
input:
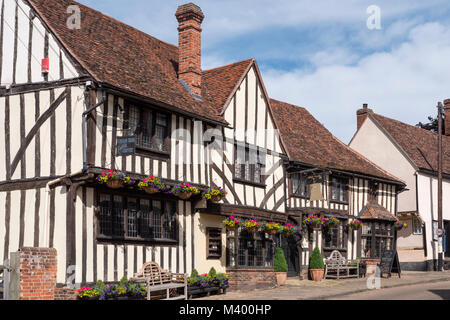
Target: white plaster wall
column 375, row 145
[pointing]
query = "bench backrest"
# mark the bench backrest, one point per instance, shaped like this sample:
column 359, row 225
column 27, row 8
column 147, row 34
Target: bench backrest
column 335, row 259
column 155, row 274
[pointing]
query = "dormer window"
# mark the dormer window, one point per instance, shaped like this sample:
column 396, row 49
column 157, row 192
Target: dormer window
column 339, row 190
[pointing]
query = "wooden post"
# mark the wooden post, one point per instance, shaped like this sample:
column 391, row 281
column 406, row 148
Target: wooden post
column 13, row 289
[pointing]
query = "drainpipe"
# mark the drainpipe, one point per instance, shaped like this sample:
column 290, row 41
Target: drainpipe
column 85, row 113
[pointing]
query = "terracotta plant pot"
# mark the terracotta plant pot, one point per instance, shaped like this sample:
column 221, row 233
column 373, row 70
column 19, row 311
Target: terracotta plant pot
column 316, row 274
column 281, row 278
column 114, row 184
column 184, row 195
column 150, row 190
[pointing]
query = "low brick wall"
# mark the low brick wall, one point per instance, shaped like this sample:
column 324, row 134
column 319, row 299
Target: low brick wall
column 250, row 279
column 37, row 273
column 65, row 294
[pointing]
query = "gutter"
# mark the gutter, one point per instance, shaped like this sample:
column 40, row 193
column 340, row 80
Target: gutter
column 83, row 127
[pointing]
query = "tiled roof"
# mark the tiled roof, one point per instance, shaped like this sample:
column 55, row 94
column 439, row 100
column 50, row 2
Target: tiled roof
column 421, row 145
column 221, row 82
column 123, row 57
column 308, row 141
column 373, row 210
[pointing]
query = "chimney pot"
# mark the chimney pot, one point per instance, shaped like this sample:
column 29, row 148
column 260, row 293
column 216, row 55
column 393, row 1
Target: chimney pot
column 190, row 18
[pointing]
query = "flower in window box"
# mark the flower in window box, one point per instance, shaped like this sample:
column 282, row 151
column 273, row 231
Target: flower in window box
column 331, row 222
column 87, row 293
column 232, row 223
column 271, row 228
column 184, row 191
column 399, row 225
column 289, row 230
column 114, row 179
column 214, row 194
column 151, row 185
column 314, row 222
column 355, row 224
column 251, row 225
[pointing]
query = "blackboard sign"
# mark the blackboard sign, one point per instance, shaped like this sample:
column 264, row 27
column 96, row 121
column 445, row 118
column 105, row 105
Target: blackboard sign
column 389, row 263
column 126, row 145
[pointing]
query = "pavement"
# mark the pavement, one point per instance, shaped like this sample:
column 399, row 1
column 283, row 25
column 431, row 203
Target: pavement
column 296, row 289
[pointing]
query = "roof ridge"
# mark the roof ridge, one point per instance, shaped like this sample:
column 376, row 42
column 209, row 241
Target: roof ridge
column 228, row 65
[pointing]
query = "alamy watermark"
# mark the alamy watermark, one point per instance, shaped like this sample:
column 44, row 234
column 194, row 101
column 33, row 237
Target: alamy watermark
column 74, row 19
column 374, row 19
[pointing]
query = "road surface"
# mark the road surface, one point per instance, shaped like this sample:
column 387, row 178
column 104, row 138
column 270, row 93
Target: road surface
column 423, row 291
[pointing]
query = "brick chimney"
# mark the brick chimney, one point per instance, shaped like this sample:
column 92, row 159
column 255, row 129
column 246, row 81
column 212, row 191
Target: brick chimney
column 361, row 115
column 190, row 18
column 447, row 117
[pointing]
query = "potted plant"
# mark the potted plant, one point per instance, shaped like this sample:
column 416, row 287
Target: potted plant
column 399, row 225
column 251, row 225
column 114, row 179
column 314, row 222
column 151, row 185
column 355, row 224
column 289, row 230
column 331, row 222
column 231, row 223
column 87, row 293
column 184, row 191
column 271, row 228
column 316, row 265
column 280, row 267
column 362, row 268
column 215, row 194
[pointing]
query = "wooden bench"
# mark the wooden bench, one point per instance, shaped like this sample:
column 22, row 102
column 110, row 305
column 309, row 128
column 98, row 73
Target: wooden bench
column 157, row 279
column 336, row 267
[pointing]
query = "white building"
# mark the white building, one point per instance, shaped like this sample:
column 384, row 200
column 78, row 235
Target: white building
column 410, row 153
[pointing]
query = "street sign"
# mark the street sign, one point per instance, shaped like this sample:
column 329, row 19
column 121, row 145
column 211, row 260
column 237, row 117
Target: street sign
column 126, row 146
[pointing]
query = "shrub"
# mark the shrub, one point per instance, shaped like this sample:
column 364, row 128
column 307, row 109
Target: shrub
column 194, row 273
column 316, row 260
column 279, row 261
column 212, row 272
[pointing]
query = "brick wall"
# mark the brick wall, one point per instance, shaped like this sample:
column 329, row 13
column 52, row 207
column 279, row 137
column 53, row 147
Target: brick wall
column 37, row 273
column 65, row 294
column 250, row 279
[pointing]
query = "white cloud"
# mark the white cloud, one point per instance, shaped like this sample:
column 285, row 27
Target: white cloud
column 404, row 83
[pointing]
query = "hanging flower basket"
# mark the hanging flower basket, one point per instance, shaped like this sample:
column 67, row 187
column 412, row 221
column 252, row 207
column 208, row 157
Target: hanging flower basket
column 231, row 223
column 184, row 191
column 399, row 225
column 151, row 185
column 331, row 222
column 314, row 222
column 215, row 194
column 289, row 230
column 355, row 224
column 251, row 226
column 114, row 179
column 271, row 228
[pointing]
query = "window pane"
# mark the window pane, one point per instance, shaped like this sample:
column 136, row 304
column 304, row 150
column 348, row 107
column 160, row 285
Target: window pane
column 133, row 120
column 132, row 225
column 259, row 253
column 242, row 252
column 146, row 130
column 118, row 216
column 366, row 246
column 269, row 254
column 105, row 217
column 145, row 219
column 156, row 211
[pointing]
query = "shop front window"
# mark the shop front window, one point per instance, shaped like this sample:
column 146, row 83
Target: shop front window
column 249, row 250
column 376, row 237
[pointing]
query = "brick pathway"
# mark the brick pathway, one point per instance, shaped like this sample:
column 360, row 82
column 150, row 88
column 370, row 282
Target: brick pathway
column 309, row 290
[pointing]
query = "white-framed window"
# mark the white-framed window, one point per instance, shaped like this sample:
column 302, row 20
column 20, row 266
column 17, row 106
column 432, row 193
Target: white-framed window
column 417, row 226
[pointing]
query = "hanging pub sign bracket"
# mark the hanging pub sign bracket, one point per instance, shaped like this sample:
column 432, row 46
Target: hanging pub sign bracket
column 126, row 145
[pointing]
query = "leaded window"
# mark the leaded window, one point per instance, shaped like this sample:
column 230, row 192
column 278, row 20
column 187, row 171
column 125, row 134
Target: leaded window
column 335, row 236
column 339, row 190
column 300, row 187
column 149, row 127
column 376, row 237
column 249, row 164
column 132, row 218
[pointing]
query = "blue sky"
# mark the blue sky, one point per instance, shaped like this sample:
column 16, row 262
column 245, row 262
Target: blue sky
column 320, row 54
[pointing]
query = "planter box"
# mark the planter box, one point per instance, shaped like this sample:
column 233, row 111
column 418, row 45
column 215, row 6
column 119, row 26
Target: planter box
column 208, row 290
